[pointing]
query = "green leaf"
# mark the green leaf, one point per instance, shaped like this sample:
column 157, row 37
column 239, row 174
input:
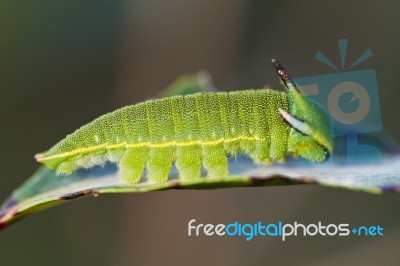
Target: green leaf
column 189, row 84
column 45, row 188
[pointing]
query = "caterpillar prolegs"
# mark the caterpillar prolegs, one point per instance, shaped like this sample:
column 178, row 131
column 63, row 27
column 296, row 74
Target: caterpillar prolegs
column 198, row 130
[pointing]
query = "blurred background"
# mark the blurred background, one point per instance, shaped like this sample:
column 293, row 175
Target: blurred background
column 64, row 63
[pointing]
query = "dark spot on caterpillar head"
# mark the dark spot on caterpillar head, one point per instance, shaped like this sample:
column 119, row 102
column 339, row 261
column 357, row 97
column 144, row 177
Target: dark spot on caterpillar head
column 327, row 153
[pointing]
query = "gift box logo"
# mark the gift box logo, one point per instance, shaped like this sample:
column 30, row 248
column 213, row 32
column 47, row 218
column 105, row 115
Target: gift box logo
column 351, row 98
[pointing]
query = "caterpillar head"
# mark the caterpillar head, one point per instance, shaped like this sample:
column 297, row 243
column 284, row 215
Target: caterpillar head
column 311, row 129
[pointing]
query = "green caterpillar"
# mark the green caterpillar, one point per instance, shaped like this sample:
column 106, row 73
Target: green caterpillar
column 198, row 130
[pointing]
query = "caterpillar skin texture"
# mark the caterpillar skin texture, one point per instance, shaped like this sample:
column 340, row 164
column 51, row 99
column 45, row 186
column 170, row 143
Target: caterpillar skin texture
column 197, row 130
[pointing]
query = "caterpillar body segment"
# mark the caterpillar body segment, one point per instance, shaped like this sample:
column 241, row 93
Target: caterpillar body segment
column 197, row 130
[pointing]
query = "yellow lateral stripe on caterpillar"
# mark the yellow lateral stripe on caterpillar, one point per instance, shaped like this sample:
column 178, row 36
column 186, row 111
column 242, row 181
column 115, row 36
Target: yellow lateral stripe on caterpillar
column 147, row 144
column 41, row 158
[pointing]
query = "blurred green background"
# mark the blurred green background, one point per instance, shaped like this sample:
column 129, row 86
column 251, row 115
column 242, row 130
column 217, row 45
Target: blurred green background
column 63, row 63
